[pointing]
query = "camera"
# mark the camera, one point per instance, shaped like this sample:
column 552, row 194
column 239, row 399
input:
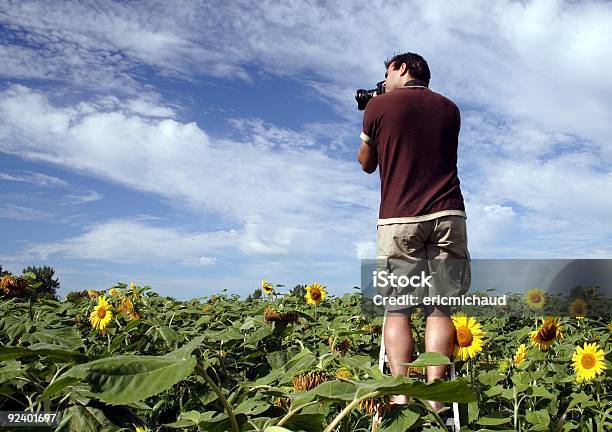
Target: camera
column 363, row 96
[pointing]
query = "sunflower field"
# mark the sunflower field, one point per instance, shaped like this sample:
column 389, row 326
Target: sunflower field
column 128, row 359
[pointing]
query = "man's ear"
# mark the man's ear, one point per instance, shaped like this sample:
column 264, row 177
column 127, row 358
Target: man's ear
column 403, row 69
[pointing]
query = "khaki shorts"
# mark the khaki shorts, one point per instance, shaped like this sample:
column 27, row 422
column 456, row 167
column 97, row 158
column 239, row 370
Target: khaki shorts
column 436, row 247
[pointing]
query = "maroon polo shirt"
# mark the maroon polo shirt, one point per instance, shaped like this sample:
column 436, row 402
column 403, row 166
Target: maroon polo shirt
column 415, row 131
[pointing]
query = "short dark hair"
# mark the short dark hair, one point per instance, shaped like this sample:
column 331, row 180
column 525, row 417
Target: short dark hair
column 417, row 66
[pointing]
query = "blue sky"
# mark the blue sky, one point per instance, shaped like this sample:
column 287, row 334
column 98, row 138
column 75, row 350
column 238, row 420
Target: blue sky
column 198, row 146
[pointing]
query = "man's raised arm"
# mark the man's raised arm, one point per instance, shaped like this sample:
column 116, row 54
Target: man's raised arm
column 368, row 157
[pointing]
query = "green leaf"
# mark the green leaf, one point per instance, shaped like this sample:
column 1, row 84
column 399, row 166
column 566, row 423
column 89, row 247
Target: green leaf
column 50, row 355
column 304, row 359
column 57, row 386
column 360, row 362
column 490, row 378
column 62, row 338
column 125, row 379
column 581, row 399
column 493, row 421
column 439, row 390
column 80, row 418
column 259, row 334
column 399, row 421
column 171, row 336
column 336, row 390
column 251, row 407
column 11, row 370
column 541, row 392
column 310, row 422
column 429, row 359
column 539, row 419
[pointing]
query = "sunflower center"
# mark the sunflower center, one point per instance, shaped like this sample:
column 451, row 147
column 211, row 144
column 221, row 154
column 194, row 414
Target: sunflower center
column 535, row 298
column 588, row 361
column 101, row 312
column 579, row 309
column 464, row 337
column 548, row 333
column 315, row 294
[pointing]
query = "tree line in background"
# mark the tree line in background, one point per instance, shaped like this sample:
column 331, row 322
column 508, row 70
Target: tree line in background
column 37, row 283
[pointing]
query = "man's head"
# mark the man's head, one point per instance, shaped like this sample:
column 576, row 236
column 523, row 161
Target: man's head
column 402, row 68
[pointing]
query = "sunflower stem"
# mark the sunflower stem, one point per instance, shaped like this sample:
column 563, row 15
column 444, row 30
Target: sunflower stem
column 232, row 418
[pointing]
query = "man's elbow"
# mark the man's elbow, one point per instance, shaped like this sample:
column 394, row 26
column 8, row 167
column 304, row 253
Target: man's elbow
column 369, row 168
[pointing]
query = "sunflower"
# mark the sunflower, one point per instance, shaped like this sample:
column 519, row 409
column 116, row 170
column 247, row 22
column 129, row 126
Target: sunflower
column 590, row 291
column 308, row 381
column 92, row 294
column 578, row 308
column 610, row 326
column 114, row 292
column 588, row 362
column 315, row 294
column 127, row 307
column 142, row 429
column 535, row 298
column 134, row 289
column 101, row 315
column 371, row 406
column 521, row 354
column 504, row 365
column 549, row 331
column 344, row 373
column 468, row 337
column 267, row 287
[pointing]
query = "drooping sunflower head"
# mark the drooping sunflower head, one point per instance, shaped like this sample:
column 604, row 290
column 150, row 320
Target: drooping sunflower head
column 92, row 294
column 114, row 292
column 535, row 298
column 338, row 346
column 588, row 361
column 13, row 285
column 315, row 294
column 267, row 287
column 308, row 381
column 101, row 315
column 468, row 337
column 128, row 308
column 370, row 406
column 578, row 308
column 271, row 315
column 547, row 333
column 521, row 354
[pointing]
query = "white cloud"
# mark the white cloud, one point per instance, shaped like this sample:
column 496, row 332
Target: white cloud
column 131, row 241
column 84, row 197
column 530, row 78
column 38, row 179
column 17, row 212
column 285, row 200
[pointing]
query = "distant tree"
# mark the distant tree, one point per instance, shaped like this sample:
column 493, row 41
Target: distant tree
column 299, row 290
column 255, row 295
column 49, row 285
column 4, row 272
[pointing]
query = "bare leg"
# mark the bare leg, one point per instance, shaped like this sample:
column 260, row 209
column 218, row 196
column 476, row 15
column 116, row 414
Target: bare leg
column 440, row 338
column 398, row 347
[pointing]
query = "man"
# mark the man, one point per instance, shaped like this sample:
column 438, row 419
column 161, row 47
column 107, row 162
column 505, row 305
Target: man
column 411, row 134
